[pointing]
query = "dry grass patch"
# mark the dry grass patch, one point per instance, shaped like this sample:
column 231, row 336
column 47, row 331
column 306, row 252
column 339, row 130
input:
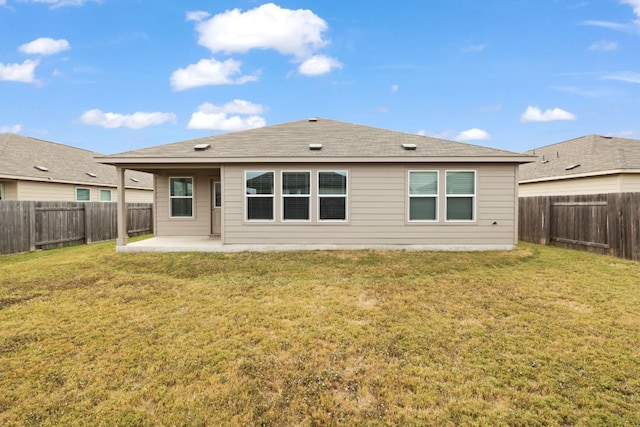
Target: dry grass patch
column 536, row 336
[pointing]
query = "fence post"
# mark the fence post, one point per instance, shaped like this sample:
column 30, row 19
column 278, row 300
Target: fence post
column 87, row 222
column 31, row 207
column 546, row 226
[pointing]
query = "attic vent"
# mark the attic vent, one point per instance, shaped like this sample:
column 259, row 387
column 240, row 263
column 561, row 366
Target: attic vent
column 41, row 168
column 134, row 179
column 544, row 162
column 570, row 167
column 409, row 146
column 315, row 147
column 91, row 174
column 313, row 119
column 201, row 147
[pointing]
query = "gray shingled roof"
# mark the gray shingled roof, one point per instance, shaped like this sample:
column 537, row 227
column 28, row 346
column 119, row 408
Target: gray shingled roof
column 339, row 140
column 593, row 153
column 19, row 156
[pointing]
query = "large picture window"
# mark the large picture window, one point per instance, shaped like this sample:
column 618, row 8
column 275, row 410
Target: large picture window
column 181, row 197
column 461, row 195
column 332, row 196
column 423, row 195
column 296, row 196
column 259, row 186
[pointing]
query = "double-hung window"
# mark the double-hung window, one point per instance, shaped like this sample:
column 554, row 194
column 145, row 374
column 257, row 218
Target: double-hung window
column 83, row 194
column 181, row 197
column 105, row 195
column 423, row 195
column 296, row 196
column 332, row 195
column 461, row 195
column 259, row 195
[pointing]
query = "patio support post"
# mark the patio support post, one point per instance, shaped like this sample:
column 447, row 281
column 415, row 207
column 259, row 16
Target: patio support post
column 122, row 208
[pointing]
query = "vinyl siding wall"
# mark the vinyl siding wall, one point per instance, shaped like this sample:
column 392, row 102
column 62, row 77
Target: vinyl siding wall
column 377, row 209
column 575, row 186
column 52, row 191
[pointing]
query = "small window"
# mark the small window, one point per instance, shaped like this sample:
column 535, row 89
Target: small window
column 1, row 191
column 181, row 197
column 259, row 195
column 296, row 196
column 423, row 195
column 83, row 194
column 105, row 195
column 217, row 194
column 461, row 195
column 332, row 196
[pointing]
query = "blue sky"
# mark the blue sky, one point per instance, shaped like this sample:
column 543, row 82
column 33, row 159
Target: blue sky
column 116, row 75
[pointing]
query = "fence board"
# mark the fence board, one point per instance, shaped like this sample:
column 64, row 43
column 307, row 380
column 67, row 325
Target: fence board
column 26, row 226
column 601, row 223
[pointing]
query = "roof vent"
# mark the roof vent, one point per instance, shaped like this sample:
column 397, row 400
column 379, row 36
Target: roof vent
column 91, row 174
column 544, row 162
column 134, row 179
column 201, row 147
column 409, row 146
column 570, row 167
column 315, row 147
column 313, row 119
column 41, row 168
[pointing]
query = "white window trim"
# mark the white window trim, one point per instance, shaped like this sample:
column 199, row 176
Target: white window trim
column 346, row 196
column 100, row 195
column 434, row 196
column 247, row 196
column 473, row 196
column 192, row 197
column 283, row 196
column 83, row 188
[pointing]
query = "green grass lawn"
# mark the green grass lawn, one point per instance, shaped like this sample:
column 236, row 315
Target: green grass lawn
column 537, row 336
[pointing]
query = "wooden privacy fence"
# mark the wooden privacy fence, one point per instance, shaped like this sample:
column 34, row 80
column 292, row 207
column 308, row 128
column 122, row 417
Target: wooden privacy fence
column 601, row 223
column 26, row 226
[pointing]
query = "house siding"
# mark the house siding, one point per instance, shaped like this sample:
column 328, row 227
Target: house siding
column 377, row 209
column 576, row 186
column 53, row 191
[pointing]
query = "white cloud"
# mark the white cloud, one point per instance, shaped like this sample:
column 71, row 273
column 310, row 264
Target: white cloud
column 10, row 128
column 24, row 72
column 474, row 48
column 136, row 120
column 290, row 32
column 217, row 117
column 45, row 46
column 209, row 72
column 534, row 114
column 318, row 65
column 197, row 15
column 394, row 88
column 610, row 25
column 473, row 134
column 635, row 4
column 624, row 76
column 604, row 46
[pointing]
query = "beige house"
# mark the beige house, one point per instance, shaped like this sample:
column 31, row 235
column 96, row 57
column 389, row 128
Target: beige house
column 591, row 164
column 33, row 169
column 325, row 183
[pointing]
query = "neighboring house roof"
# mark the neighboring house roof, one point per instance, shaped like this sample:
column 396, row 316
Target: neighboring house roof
column 586, row 156
column 25, row 158
column 314, row 140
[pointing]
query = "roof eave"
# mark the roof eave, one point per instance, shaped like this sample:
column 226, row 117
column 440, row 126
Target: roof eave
column 580, row 175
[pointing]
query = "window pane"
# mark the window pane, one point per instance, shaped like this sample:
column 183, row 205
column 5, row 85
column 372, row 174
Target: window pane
column 460, row 208
column 217, row 194
column 422, row 208
column 259, row 182
column 296, row 208
column 461, row 183
column 332, row 182
column 260, row 208
column 105, row 195
column 423, row 182
column 295, row 182
column 181, row 187
column 333, row 208
column 83, row 194
column 182, row 207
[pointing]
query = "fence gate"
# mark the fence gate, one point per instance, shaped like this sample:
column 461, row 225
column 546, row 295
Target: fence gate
column 581, row 223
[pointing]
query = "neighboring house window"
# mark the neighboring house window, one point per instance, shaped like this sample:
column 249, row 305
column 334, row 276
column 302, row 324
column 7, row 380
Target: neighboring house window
column 296, row 196
column 423, row 195
column 181, row 197
column 259, row 186
column 105, row 195
column 1, row 190
column 461, row 195
column 332, row 195
column 83, row 194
